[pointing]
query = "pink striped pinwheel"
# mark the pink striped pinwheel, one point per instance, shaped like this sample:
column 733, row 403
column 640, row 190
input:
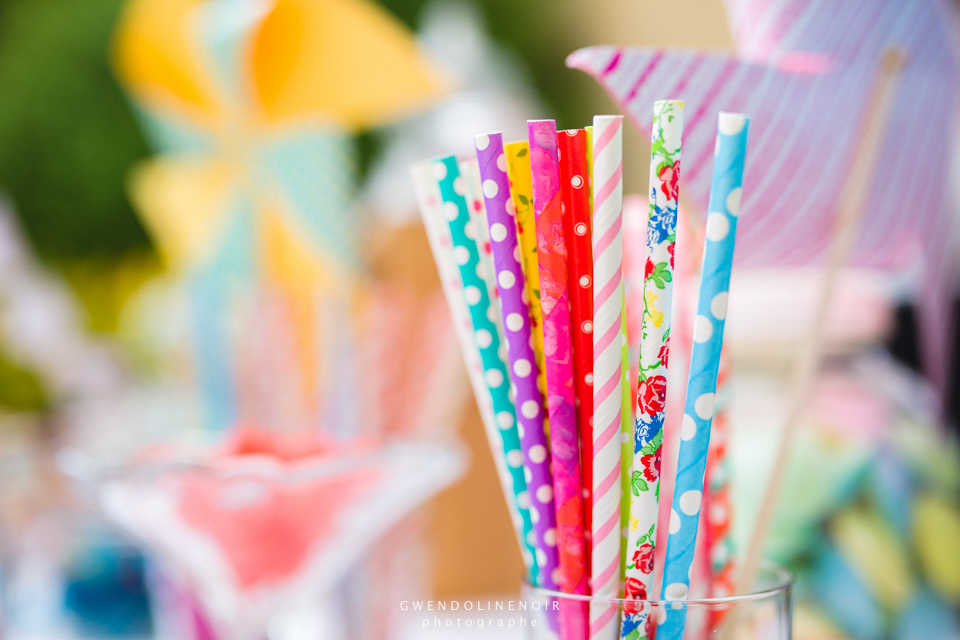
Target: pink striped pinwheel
column 804, row 75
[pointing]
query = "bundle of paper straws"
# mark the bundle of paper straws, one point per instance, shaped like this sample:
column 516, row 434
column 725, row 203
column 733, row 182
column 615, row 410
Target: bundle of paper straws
column 527, row 239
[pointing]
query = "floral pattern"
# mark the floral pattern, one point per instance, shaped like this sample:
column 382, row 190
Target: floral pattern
column 643, row 558
column 664, row 354
column 651, row 466
column 654, row 357
column 634, row 589
column 652, row 395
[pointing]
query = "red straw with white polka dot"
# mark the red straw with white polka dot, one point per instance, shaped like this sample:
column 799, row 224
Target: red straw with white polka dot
column 607, row 368
column 575, row 207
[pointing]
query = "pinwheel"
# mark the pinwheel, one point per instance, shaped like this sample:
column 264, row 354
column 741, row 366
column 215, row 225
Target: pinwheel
column 804, row 71
column 251, row 105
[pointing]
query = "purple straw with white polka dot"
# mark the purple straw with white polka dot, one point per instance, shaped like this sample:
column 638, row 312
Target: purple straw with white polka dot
column 523, row 374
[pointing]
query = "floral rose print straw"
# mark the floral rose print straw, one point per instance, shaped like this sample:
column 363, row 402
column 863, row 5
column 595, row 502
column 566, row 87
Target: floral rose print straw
column 654, row 354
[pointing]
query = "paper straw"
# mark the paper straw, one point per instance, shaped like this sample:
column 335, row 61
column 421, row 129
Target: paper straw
column 654, row 351
column 554, row 300
column 509, row 277
column 575, row 208
column 626, row 400
column 720, row 548
column 521, row 191
column 608, row 341
column 470, row 170
column 441, row 245
column 627, row 419
column 485, row 337
column 704, row 363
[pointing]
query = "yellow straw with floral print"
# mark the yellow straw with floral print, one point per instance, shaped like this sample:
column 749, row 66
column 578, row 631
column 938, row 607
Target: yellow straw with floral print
column 521, row 194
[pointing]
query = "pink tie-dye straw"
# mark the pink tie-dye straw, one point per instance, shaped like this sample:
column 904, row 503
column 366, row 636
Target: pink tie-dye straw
column 554, row 300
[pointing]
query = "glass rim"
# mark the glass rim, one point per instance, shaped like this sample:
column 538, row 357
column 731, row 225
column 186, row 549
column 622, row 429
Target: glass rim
column 783, row 582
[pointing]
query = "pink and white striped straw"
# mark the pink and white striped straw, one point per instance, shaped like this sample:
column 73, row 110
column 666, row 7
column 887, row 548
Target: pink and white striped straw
column 607, row 369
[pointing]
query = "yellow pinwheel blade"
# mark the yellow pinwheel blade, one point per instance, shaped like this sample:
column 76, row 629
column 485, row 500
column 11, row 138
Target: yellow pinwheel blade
column 155, row 58
column 184, row 204
column 345, row 59
column 345, row 62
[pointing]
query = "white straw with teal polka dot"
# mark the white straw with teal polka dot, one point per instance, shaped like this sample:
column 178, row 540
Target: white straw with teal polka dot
column 441, row 245
column 486, row 336
column 730, row 154
column 470, row 170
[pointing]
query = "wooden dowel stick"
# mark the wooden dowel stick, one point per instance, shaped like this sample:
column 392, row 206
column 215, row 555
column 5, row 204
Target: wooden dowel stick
column 852, row 203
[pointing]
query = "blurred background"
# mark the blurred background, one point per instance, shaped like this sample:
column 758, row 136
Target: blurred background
column 101, row 357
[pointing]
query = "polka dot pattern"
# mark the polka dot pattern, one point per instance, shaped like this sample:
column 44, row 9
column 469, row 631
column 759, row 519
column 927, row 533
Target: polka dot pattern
column 483, row 338
column 545, row 493
column 718, row 306
column 522, row 368
column 733, row 202
column 725, row 195
column 575, row 200
column 718, row 226
column 538, row 454
column 464, row 234
column 703, row 406
column 690, row 502
column 510, row 281
column 702, row 329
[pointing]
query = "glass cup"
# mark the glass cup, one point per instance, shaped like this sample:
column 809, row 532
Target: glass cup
column 763, row 614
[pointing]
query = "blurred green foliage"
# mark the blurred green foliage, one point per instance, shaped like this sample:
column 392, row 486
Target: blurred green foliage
column 67, row 134
column 68, row 138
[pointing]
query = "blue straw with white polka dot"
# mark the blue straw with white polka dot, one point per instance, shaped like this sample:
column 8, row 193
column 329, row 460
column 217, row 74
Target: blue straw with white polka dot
column 731, row 151
column 467, row 256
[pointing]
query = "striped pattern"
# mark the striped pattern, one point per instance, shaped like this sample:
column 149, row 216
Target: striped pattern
column 721, row 232
column 608, row 339
column 802, row 105
column 502, row 232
